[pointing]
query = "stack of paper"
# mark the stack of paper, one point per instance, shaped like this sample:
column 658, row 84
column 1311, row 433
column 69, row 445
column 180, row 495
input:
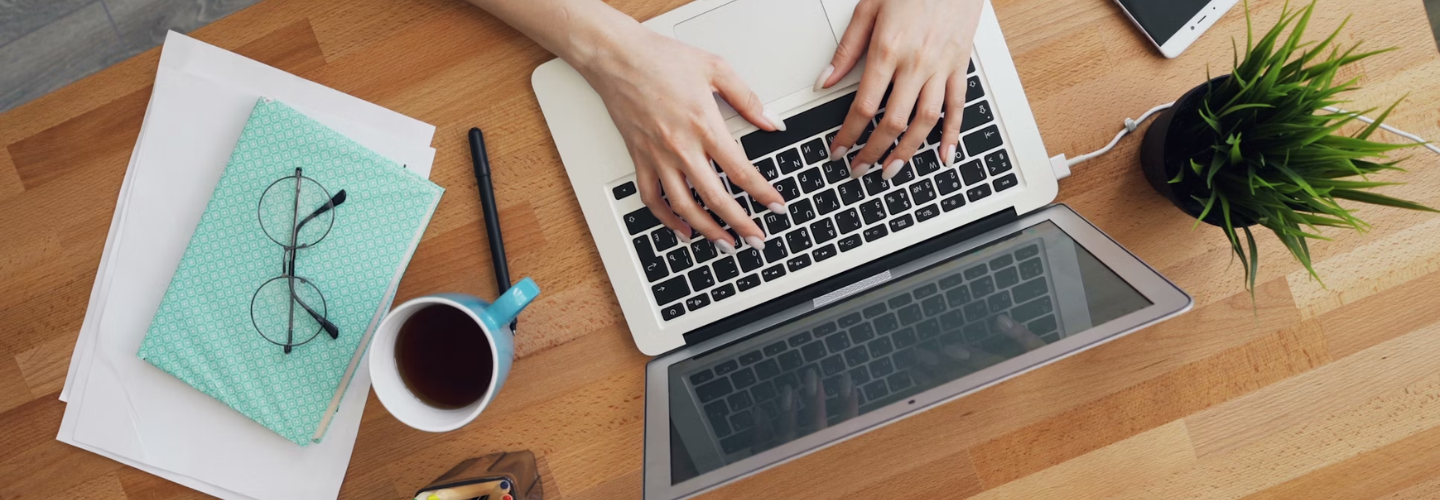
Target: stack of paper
column 122, row 407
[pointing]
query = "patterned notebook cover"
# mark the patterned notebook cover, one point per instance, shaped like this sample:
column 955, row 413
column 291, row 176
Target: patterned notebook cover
column 207, row 331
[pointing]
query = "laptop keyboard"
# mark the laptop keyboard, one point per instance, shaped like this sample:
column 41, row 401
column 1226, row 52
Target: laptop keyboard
column 876, row 343
column 828, row 212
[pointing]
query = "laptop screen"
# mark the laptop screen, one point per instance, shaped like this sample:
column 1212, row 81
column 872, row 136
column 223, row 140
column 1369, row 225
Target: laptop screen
column 1021, row 292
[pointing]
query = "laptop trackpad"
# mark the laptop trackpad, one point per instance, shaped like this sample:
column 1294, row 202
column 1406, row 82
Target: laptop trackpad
column 777, row 46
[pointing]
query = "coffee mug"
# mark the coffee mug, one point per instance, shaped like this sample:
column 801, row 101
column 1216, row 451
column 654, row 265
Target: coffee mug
column 493, row 319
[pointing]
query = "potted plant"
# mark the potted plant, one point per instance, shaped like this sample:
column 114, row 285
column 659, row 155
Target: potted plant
column 1259, row 147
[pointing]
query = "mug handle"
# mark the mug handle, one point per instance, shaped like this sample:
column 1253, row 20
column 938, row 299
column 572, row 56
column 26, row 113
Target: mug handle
column 510, row 303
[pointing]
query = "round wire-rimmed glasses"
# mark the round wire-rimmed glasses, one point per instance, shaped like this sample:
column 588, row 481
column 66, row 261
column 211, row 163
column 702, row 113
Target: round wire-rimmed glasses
column 273, row 307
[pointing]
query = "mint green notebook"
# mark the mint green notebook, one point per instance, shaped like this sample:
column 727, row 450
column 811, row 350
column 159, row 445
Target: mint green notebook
column 229, row 302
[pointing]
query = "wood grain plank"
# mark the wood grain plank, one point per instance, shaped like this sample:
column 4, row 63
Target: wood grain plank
column 10, row 183
column 1376, row 473
column 44, row 366
column 1150, row 455
column 106, row 487
column 1152, row 403
column 145, row 486
column 108, row 132
column 13, row 389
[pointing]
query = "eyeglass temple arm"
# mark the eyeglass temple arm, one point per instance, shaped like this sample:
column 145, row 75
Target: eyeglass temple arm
column 329, row 327
column 334, row 201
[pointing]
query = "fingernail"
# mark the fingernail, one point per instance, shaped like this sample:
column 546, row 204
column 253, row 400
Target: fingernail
column 757, row 243
column 949, row 156
column 891, row 170
column 812, row 383
column 775, row 120
column 837, row 152
column 1005, row 322
column 778, row 208
column 847, row 386
column 684, row 238
column 859, row 170
column 824, row 75
column 725, row 247
column 957, row 352
column 787, row 398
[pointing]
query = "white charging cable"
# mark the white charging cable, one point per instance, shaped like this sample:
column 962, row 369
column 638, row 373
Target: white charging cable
column 1062, row 165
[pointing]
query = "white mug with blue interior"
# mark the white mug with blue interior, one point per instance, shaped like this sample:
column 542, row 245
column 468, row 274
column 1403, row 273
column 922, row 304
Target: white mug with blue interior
column 493, row 320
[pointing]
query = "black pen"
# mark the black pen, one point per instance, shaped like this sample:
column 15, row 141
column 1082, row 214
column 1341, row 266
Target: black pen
column 492, row 216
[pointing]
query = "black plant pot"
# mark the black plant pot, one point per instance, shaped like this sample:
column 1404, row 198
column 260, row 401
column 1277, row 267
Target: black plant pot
column 1169, row 145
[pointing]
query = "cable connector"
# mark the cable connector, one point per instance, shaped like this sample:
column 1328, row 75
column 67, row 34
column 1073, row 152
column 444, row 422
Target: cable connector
column 1060, row 165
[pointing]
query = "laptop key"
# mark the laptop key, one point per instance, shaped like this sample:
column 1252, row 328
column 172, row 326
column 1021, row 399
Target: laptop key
column 775, row 223
column 872, row 212
column 897, row 201
column 947, row 182
column 850, row 192
column 982, row 287
column 910, row 314
column 812, row 180
column 837, row 343
column 788, row 188
column 739, row 442
column 973, row 90
column 984, row 140
column 672, row 311
column 738, row 401
column 898, row 382
column 857, row 356
column 624, row 190
column 1006, row 278
column 679, row 259
column 933, row 305
column 958, row 296
column 951, row 280
column 1032, row 309
column 664, row 239
column 775, row 252
column 1029, row 290
column 789, row 161
column 873, row 391
column 832, row 365
column 1001, row 261
column 767, row 169
column 1031, row 268
column 798, row 263
column 747, row 282
column 1027, row 252
column 876, row 232
column 874, row 310
column 999, row 302
column 1005, row 182
column 763, row 391
column 787, row 379
column 773, row 272
column 714, row 390
column 905, row 358
column 906, row 174
column 654, row 268
column 827, row 201
column 862, row 333
column 953, row 202
column 742, row 379
column 670, row 290
column 849, row 243
column 976, row 115
column 823, row 252
column 642, row 247
column 722, row 292
column 798, row 339
column 926, row 162
column 905, row 337
column 928, row 328
column 978, row 192
column 847, row 221
column 703, row 251
column 725, row 269
column 972, row 172
column 922, row 192
column 953, row 319
column 701, row 377
column 745, row 420
column 813, row 351
column 697, row 302
column 874, row 184
column 901, row 223
column 814, row 151
column 976, row 311
column 997, row 162
column 749, row 261
column 775, row 348
column 791, row 360
column 881, row 367
column 835, row 171
column 640, row 220
column 700, row 278
column 1043, row 325
column 801, row 212
column 822, row 231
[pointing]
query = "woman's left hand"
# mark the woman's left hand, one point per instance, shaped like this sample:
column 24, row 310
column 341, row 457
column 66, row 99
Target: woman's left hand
column 923, row 48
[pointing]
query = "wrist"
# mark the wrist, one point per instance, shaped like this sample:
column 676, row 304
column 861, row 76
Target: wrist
column 594, row 46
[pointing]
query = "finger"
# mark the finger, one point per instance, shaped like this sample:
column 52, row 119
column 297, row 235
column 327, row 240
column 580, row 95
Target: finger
column 788, row 409
column 867, row 103
column 734, row 90
column 731, row 158
column 1018, row 333
column 649, row 183
column 684, row 204
column 764, row 430
column 955, row 90
column 972, row 358
column 927, row 114
column 851, row 398
column 816, row 397
column 852, row 45
column 896, row 119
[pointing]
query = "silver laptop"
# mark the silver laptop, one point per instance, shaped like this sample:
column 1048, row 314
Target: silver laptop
column 884, row 296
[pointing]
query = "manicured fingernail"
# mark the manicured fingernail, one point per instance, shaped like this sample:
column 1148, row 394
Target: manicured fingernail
column 893, row 169
column 757, row 243
column 775, row 120
column 1005, row 322
column 812, row 383
column 950, row 156
column 824, row 75
column 837, row 152
column 847, row 386
column 778, row 208
column 684, row 238
column 725, row 247
column 787, row 398
column 859, row 170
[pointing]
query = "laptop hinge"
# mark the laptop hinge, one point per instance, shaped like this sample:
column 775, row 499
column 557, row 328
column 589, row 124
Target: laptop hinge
column 853, row 276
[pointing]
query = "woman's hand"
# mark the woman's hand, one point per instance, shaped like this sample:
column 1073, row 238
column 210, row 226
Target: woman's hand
column 659, row 93
column 923, row 48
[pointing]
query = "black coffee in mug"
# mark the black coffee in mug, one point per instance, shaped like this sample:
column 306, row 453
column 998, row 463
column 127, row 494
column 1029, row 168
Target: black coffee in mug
column 443, row 357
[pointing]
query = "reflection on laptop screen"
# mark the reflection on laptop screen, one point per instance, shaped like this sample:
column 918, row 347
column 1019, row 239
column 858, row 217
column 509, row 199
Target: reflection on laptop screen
column 1024, row 291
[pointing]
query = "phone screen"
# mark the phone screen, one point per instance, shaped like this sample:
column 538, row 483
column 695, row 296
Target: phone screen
column 1162, row 19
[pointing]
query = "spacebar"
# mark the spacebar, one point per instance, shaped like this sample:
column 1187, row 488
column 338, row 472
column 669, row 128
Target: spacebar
column 818, row 119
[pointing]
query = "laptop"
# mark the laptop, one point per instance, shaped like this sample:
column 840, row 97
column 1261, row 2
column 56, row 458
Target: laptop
column 872, row 299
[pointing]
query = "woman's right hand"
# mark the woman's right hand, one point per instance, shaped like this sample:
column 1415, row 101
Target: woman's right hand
column 660, row 94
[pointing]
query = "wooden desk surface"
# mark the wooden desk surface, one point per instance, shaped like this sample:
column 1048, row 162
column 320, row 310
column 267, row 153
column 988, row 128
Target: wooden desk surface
column 1321, row 393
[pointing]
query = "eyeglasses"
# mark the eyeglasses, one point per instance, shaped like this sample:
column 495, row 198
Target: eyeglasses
column 273, row 306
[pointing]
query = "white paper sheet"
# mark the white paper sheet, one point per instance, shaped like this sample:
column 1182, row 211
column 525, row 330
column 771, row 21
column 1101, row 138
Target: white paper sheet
column 125, row 409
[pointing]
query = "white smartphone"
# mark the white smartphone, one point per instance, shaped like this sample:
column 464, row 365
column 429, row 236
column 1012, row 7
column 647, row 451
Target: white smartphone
column 1173, row 25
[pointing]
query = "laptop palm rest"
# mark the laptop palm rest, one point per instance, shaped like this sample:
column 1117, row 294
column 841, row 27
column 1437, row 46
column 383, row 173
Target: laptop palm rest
column 777, row 46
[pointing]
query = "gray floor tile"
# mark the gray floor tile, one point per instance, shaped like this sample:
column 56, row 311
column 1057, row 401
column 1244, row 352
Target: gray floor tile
column 20, row 17
column 65, row 50
column 143, row 23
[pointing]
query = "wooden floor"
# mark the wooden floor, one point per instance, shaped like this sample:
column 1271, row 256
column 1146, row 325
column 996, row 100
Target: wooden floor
column 1317, row 393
